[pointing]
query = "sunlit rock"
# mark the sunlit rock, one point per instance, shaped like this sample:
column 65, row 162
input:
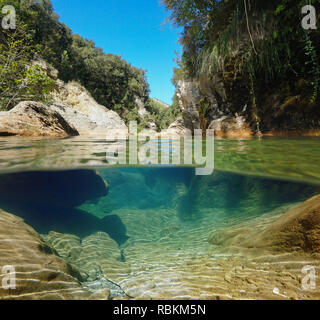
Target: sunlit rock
column 99, row 119
column 31, row 119
column 39, row 272
column 231, row 127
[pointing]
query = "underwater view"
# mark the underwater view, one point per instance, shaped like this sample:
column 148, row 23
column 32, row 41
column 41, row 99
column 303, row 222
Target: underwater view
column 160, row 232
column 163, row 150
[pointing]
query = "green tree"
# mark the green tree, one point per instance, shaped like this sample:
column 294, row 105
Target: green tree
column 19, row 79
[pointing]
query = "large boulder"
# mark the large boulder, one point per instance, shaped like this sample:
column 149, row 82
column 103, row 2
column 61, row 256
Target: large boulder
column 95, row 255
column 79, row 120
column 39, row 272
column 89, row 117
column 30, row 118
column 297, row 230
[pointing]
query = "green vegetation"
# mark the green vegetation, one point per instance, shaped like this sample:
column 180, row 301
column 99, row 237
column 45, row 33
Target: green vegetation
column 257, row 48
column 163, row 116
column 111, row 80
column 19, row 79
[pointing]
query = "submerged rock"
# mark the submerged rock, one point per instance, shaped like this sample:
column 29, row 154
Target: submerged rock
column 64, row 189
column 97, row 257
column 290, row 230
column 297, row 230
column 115, row 291
column 47, row 201
column 30, row 118
column 39, row 272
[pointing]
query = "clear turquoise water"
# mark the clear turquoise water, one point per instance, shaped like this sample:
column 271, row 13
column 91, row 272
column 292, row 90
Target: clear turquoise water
column 251, row 176
column 152, row 205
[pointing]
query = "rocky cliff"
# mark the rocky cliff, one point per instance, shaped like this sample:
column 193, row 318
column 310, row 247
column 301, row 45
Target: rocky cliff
column 70, row 111
column 227, row 108
column 78, row 107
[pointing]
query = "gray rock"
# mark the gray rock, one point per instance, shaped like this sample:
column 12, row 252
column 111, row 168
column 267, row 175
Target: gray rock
column 30, row 118
column 90, row 117
column 189, row 98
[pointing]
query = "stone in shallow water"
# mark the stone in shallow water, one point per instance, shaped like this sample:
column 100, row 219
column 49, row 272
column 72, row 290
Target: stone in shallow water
column 70, row 220
column 97, row 257
column 40, row 273
column 297, row 230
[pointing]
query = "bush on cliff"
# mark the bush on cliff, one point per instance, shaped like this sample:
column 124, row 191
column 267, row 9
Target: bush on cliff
column 19, row 79
column 259, row 50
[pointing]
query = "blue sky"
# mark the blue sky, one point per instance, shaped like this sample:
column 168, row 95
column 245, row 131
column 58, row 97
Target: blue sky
column 131, row 29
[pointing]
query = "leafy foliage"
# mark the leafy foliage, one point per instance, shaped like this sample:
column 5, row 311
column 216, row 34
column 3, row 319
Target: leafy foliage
column 112, row 81
column 257, row 43
column 163, row 116
column 20, row 80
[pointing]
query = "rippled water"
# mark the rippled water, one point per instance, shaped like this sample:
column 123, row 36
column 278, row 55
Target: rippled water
column 294, row 159
column 161, row 231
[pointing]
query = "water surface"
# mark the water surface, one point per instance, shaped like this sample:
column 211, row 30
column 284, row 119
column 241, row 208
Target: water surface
column 295, row 159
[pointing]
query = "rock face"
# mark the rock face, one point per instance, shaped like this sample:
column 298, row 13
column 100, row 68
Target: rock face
column 34, row 119
column 189, row 99
column 46, row 67
column 220, row 117
column 40, row 273
column 74, row 103
column 161, row 102
column 65, row 189
column 231, row 127
column 274, row 110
